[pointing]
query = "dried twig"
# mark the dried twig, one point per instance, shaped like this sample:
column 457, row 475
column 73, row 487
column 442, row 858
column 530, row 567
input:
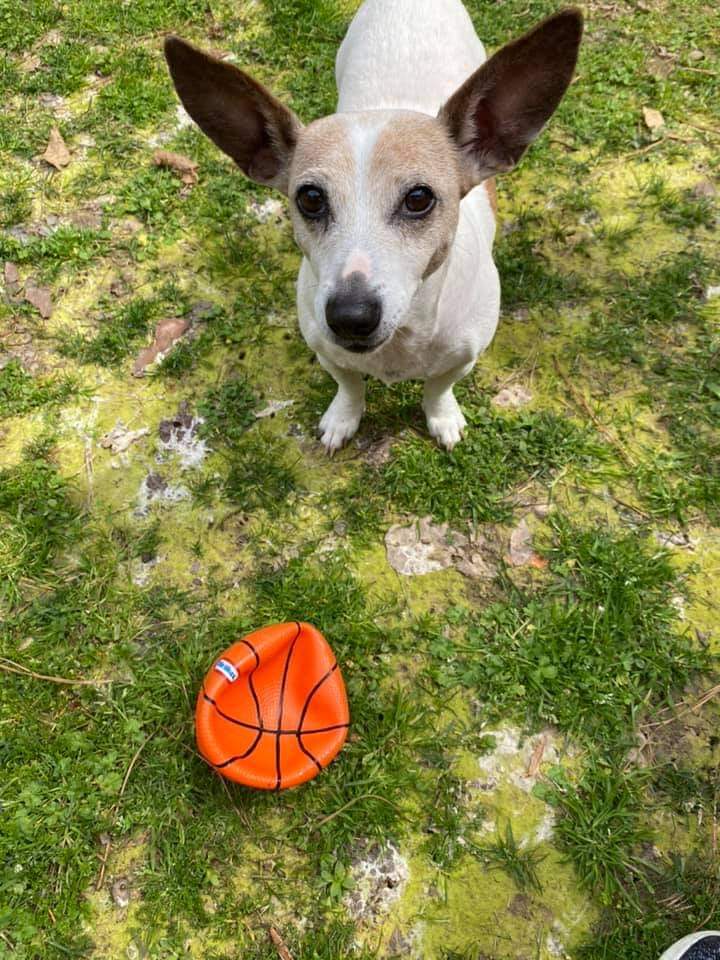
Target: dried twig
column 279, row 945
column 9, row 666
column 705, row 698
column 710, row 130
column 351, row 803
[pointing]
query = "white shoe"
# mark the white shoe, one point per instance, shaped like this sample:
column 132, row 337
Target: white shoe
column 698, row 946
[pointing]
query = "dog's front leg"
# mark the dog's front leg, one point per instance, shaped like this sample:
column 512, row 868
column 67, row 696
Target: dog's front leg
column 445, row 419
column 342, row 418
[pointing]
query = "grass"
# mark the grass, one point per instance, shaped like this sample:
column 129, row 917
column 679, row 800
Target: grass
column 39, row 518
column 501, row 453
column 607, row 247
column 20, row 393
column 505, row 854
column 583, row 651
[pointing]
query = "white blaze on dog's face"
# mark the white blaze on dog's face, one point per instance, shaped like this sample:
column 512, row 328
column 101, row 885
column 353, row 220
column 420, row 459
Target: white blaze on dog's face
column 375, row 202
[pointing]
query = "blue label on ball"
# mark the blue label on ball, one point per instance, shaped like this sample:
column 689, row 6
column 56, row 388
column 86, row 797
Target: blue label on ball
column 227, row 670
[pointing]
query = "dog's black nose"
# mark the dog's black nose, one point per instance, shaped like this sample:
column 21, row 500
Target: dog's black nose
column 353, row 315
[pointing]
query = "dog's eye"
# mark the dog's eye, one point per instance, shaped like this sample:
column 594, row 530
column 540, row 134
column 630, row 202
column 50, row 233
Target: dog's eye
column 419, row 202
column 312, row 202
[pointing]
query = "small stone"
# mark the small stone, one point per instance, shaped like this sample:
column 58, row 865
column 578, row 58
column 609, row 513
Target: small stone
column 87, row 218
column 512, row 397
column 679, row 539
column 704, row 190
column 127, row 225
column 696, row 55
column 51, row 101
column 521, row 548
column 11, row 277
column 29, row 64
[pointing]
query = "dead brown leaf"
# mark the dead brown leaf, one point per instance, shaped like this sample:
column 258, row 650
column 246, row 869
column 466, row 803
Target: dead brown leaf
column 167, row 333
column 40, row 298
column 537, row 757
column 11, row 276
column 280, row 945
column 654, row 120
column 56, row 153
column 175, row 161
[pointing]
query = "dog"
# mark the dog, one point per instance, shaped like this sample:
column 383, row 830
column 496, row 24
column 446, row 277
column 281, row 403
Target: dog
column 392, row 198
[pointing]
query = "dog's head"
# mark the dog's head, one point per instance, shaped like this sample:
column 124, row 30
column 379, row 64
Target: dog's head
column 375, row 196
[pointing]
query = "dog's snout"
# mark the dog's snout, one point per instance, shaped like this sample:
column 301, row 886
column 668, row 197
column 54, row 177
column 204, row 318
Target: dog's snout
column 353, row 314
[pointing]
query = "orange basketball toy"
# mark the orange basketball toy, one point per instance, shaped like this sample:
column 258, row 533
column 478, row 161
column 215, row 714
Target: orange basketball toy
column 272, row 711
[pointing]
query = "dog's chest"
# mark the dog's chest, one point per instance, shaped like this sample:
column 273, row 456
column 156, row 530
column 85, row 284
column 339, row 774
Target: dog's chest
column 409, row 356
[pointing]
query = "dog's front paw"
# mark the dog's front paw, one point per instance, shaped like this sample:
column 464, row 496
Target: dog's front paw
column 447, row 427
column 339, row 424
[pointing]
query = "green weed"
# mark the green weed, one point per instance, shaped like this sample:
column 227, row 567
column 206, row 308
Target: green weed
column 20, row 393
column 519, row 864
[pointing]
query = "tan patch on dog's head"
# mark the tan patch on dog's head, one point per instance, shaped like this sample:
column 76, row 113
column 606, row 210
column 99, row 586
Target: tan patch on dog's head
column 415, row 150
column 416, row 147
column 324, row 152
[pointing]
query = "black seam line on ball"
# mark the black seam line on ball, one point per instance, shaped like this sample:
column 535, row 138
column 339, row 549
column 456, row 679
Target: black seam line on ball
column 282, row 705
column 305, row 709
column 252, row 685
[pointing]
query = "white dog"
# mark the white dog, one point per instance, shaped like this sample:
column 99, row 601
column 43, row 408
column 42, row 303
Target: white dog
column 392, row 197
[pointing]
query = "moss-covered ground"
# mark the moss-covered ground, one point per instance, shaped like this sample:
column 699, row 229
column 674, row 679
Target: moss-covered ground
column 532, row 770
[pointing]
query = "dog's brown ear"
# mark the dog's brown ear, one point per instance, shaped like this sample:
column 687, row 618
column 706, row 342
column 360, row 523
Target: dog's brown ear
column 502, row 108
column 236, row 112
